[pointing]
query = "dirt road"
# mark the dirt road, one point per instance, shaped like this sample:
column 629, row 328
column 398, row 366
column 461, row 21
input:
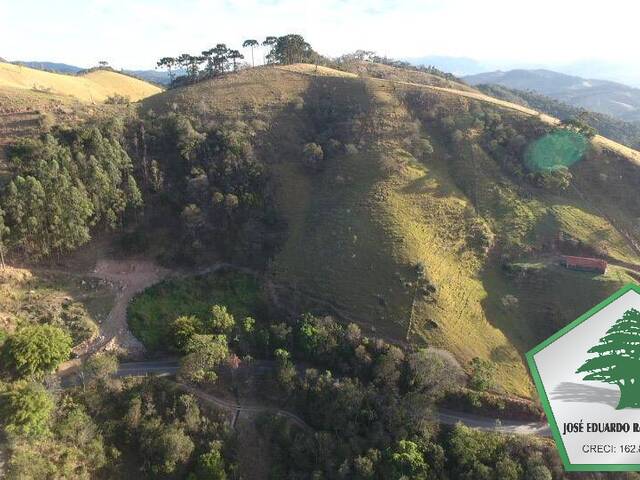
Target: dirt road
column 133, row 276
column 129, row 277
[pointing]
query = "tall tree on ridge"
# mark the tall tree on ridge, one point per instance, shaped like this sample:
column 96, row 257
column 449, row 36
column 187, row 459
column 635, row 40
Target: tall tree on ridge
column 251, row 44
column 269, row 42
column 235, row 55
column 207, row 55
column 193, row 66
column 168, row 63
column 290, row 49
column 183, row 61
column 220, row 57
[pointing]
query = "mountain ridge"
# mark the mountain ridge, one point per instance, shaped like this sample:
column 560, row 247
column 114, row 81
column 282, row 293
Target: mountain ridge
column 602, row 96
column 153, row 76
column 92, row 86
column 375, row 205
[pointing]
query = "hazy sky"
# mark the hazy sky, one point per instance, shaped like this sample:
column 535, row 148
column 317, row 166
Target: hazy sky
column 134, row 33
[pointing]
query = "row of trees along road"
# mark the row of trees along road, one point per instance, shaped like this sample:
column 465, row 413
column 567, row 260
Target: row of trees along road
column 287, row 49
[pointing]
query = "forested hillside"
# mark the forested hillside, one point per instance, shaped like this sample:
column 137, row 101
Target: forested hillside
column 627, row 133
column 406, row 207
column 334, row 251
column 63, row 185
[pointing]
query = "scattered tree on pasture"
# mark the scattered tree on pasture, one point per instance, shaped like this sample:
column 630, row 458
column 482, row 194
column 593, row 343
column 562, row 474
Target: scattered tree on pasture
column 251, row 44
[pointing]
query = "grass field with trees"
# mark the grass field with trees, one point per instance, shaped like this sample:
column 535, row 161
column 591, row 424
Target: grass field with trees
column 401, row 230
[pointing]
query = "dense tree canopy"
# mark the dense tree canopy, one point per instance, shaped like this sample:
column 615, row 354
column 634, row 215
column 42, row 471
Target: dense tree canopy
column 218, row 60
column 64, row 184
column 37, row 349
column 289, row 49
column 26, row 409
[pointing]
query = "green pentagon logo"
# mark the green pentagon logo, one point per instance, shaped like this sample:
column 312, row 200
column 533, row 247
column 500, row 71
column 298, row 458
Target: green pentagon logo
column 588, row 379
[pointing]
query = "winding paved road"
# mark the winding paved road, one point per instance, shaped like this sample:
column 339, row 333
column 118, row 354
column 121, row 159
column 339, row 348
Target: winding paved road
column 134, row 276
column 168, row 367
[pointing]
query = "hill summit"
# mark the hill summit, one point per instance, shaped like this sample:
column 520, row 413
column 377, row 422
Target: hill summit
column 94, row 86
column 414, row 205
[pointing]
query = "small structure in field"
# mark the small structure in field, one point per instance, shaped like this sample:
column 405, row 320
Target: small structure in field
column 584, row 264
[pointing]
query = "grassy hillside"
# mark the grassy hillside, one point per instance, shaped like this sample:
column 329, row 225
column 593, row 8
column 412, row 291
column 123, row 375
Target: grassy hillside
column 388, row 72
column 95, row 86
column 28, row 114
column 627, row 133
column 603, row 96
column 421, row 245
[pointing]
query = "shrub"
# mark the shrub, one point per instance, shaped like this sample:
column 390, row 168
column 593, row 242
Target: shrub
column 221, row 320
column 313, row 156
column 117, row 99
column 204, row 354
column 183, row 328
column 481, row 374
column 350, row 149
column 556, row 180
column 422, row 147
column 480, row 236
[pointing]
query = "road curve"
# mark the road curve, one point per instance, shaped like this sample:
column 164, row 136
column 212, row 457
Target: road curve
column 450, row 417
column 168, row 367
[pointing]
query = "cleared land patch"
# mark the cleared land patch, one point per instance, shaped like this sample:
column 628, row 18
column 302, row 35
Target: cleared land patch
column 151, row 312
column 74, row 302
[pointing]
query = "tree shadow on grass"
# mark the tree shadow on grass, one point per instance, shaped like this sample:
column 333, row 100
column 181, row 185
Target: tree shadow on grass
column 577, row 392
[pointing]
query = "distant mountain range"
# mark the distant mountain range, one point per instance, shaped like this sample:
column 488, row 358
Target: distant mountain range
column 628, row 73
column 51, row 66
column 627, row 133
column 153, row 76
column 459, row 66
column 603, row 96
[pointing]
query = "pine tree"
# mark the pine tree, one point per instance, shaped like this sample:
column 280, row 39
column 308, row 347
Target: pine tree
column 618, row 359
column 251, row 44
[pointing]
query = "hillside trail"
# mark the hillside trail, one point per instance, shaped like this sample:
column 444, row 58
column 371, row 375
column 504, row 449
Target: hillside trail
column 239, row 409
column 443, row 416
column 130, row 277
column 630, row 153
column 133, row 276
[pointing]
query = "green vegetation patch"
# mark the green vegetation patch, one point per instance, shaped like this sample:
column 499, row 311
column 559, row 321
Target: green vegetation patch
column 152, row 311
column 560, row 148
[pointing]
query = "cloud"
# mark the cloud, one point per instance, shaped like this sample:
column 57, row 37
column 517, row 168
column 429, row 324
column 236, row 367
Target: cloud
column 135, row 33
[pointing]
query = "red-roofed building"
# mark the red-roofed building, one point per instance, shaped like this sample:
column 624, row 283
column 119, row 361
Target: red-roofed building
column 584, row 263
